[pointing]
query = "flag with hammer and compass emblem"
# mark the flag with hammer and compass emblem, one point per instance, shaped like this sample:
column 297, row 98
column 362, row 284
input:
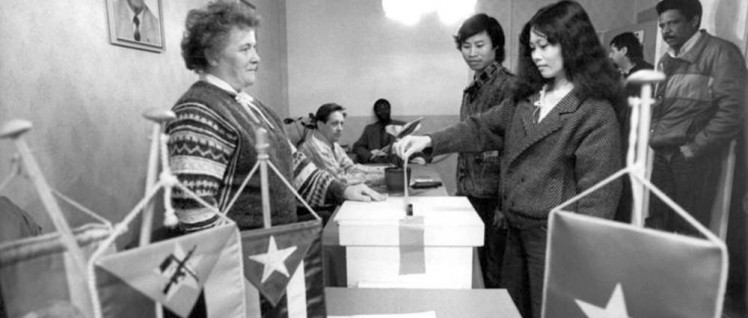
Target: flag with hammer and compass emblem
column 283, row 271
column 195, row 274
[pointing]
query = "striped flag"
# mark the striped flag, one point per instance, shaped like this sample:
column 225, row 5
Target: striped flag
column 283, row 270
column 601, row 268
column 192, row 275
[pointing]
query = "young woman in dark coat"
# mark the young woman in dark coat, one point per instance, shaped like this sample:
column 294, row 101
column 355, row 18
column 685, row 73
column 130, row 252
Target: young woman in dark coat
column 559, row 136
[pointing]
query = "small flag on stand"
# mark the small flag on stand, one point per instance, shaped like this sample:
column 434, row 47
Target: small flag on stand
column 37, row 274
column 283, row 270
column 190, row 274
column 599, row 268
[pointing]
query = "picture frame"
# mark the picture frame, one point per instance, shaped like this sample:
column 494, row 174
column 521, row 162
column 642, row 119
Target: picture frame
column 143, row 31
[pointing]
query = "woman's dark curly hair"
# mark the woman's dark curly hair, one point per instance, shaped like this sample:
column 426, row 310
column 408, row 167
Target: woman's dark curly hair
column 565, row 23
column 207, row 30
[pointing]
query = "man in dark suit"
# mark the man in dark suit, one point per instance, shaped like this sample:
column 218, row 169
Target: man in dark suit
column 370, row 148
column 134, row 21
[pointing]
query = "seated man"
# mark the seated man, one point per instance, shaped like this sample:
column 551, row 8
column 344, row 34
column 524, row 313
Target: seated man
column 373, row 146
column 323, row 149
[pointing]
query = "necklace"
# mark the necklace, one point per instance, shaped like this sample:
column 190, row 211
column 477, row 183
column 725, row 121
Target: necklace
column 543, row 106
column 541, row 100
column 539, row 105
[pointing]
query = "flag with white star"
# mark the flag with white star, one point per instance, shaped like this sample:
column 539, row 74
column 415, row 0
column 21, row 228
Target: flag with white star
column 198, row 274
column 599, row 268
column 283, row 270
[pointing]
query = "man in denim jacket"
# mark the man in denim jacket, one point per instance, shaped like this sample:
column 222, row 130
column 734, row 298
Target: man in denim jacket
column 700, row 109
column 481, row 42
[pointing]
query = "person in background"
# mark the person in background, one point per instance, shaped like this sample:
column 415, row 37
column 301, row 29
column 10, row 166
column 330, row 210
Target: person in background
column 373, row 146
column 699, row 110
column 559, row 135
column 480, row 39
column 211, row 141
column 627, row 54
column 323, row 149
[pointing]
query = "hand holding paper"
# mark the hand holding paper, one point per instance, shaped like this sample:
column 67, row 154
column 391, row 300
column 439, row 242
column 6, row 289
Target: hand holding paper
column 409, row 145
column 400, row 131
column 375, row 153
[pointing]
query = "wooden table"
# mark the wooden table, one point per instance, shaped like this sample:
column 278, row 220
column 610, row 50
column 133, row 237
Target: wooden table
column 447, row 303
column 334, row 254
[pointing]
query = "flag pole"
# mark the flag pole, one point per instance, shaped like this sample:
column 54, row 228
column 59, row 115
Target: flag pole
column 159, row 118
column 262, row 158
column 406, row 198
column 636, row 159
column 643, row 108
column 14, row 130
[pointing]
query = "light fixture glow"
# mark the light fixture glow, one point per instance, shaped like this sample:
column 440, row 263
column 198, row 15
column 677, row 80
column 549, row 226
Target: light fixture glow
column 453, row 11
column 409, row 12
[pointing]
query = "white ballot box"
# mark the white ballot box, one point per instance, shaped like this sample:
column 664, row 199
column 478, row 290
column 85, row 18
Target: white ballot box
column 431, row 249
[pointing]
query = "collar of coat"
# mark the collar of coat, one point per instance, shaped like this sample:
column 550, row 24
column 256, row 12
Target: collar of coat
column 482, row 77
column 567, row 104
column 694, row 52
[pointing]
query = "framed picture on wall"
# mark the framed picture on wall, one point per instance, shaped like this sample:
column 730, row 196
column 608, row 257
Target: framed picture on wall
column 136, row 23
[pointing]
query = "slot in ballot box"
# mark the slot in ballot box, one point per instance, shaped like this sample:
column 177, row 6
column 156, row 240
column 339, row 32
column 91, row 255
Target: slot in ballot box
column 431, row 249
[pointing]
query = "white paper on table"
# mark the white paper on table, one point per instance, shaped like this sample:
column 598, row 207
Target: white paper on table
column 425, row 314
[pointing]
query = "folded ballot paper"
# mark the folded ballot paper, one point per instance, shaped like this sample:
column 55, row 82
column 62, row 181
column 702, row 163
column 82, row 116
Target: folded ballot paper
column 400, row 131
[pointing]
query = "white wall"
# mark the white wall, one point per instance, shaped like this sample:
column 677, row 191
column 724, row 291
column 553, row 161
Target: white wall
column 348, row 52
column 85, row 96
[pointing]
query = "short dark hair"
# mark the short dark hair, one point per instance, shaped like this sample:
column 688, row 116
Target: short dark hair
column 207, row 30
column 479, row 23
column 689, row 8
column 629, row 41
column 382, row 102
column 324, row 111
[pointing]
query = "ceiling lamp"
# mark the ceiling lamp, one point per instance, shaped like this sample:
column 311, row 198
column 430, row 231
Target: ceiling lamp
column 409, row 12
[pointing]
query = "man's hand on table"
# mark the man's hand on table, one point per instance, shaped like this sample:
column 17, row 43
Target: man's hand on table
column 376, row 153
column 361, row 192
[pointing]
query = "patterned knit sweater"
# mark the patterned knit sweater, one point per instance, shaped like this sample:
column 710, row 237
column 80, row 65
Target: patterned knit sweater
column 212, row 150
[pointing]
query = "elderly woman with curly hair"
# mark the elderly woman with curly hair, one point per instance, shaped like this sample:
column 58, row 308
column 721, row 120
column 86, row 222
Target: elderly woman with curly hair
column 211, row 142
column 559, row 136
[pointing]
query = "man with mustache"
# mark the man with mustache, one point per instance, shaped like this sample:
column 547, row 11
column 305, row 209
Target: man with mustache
column 700, row 109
